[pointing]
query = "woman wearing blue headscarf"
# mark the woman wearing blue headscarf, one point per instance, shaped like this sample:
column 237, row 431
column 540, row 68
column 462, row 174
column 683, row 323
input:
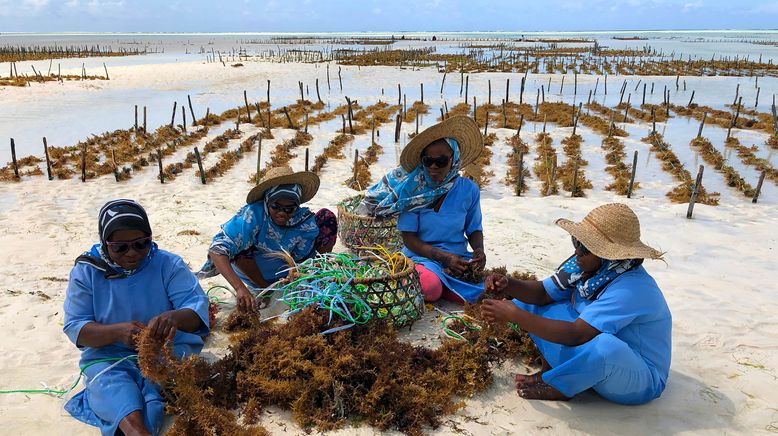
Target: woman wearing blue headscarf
column 439, row 211
column 119, row 287
column 246, row 249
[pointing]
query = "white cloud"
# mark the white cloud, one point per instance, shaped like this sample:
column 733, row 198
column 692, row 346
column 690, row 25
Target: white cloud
column 377, row 11
column 35, row 5
column 688, row 7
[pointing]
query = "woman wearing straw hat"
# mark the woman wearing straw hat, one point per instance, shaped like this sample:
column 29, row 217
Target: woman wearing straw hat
column 246, row 249
column 600, row 321
column 439, row 212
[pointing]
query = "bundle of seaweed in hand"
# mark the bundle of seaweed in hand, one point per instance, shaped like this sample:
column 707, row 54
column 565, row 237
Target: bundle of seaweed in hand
column 362, row 374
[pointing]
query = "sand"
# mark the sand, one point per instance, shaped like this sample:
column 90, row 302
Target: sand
column 717, row 278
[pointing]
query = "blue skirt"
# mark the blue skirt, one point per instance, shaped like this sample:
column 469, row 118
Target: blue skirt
column 467, row 291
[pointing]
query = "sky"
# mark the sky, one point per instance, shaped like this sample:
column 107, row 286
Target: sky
column 381, row 16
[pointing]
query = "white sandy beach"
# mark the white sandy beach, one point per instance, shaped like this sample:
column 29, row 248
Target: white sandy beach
column 717, row 280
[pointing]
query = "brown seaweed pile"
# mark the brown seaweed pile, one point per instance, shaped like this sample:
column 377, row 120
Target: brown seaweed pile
column 621, row 172
column 363, row 374
column 572, row 173
column 714, row 158
column 545, row 165
column 512, row 178
column 333, row 150
column 748, row 156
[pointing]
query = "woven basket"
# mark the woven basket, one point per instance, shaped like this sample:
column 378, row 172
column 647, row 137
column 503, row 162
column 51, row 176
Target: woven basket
column 396, row 298
column 359, row 231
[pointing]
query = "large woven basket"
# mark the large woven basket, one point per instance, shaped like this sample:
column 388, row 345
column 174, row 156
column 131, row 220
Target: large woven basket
column 359, row 231
column 396, row 298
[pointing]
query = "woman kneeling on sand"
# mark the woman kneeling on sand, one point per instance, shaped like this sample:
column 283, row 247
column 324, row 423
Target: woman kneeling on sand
column 122, row 285
column 600, row 321
column 246, row 250
column 439, row 212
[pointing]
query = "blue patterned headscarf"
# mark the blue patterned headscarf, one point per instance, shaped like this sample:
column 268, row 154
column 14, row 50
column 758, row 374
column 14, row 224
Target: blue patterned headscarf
column 570, row 275
column 400, row 191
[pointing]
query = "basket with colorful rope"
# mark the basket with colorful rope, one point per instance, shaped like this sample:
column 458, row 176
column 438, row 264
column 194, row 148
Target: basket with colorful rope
column 356, row 289
column 360, row 231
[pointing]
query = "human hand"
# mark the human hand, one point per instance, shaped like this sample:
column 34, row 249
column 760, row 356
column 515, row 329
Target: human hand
column 479, row 258
column 455, row 263
column 495, row 283
column 246, row 301
column 163, row 327
column 127, row 332
column 499, row 310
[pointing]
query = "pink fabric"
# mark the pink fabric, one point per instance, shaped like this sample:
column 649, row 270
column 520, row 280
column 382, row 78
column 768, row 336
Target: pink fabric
column 431, row 286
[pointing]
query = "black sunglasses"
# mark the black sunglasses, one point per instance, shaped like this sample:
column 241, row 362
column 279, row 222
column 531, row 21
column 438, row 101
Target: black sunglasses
column 440, row 161
column 580, row 247
column 139, row 244
column 285, row 209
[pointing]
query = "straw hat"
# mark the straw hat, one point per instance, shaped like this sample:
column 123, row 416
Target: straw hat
column 284, row 175
column 463, row 129
column 611, row 231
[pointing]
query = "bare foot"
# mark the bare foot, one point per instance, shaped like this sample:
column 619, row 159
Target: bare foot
column 527, row 380
column 541, row 391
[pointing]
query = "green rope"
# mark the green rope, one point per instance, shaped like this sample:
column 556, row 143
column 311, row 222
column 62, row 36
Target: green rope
column 61, row 393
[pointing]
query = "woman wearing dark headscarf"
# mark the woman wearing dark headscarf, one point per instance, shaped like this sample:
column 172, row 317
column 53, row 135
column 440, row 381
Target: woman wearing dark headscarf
column 246, row 249
column 122, row 285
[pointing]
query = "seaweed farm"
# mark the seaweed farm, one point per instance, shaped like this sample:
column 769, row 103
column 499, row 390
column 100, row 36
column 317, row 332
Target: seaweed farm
column 681, row 126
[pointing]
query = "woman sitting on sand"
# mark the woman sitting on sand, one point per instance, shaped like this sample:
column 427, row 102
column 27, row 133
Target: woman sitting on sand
column 246, row 250
column 439, row 212
column 600, row 321
column 121, row 286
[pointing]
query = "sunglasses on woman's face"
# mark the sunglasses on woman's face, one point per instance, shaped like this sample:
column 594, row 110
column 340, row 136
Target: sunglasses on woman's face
column 579, row 247
column 440, row 161
column 139, row 244
column 285, row 209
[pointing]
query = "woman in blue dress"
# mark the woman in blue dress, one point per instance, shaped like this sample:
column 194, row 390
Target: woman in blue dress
column 121, row 286
column 246, row 250
column 439, row 211
column 600, row 321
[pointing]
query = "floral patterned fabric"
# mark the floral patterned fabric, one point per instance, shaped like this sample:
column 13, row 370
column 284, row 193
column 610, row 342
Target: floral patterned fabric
column 401, row 191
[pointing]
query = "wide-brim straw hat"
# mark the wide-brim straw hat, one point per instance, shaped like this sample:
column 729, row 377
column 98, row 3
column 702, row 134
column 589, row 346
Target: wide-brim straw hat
column 462, row 128
column 611, row 231
column 284, row 175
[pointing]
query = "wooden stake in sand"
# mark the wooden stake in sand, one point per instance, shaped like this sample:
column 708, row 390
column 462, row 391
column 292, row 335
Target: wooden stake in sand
column 356, row 162
column 340, row 80
column 200, row 165
column 422, row 92
column 521, row 172
column 83, row 164
column 758, row 187
column 144, row 120
column 695, row 192
column 575, row 179
column 328, row 78
column 507, row 91
column 318, row 96
column 399, row 94
column 521, row 90
column 691, row 100
column 632, row 176
column 397, row 125
column 113, row 161
column 289, row 118
column 307, row 154
column 268, row 92
column 467, row 85
column 106, row 72
column 442, row 82
column 48, row 160
column 259, row 158
column 13, row 159
column 350, row 125
column 159, row 161
column 136, row 118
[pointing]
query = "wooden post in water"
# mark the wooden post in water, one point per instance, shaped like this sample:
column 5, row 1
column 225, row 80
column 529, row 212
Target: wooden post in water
column 702, row 124
column 136, row 118
column 644, row 95
column 691, row 100
column 13, row 159
column 318, row 96
column 329, row 88
column 144, row 120
column 504, row 116
column 467, row 86
column 758, row 187
column 307, row 154
column 106, row 72
column 518, row 129
column 507, row 91
column 350, row 125
column 340, row 80
column 422, row 92
column 521, row 91
column 173, row 117
column 695, row 192
column 575, row 178
column 200, row 165
column 248, row 108
column 48, row 160
column 632, row 176
column 397, row 124
column 191, row 110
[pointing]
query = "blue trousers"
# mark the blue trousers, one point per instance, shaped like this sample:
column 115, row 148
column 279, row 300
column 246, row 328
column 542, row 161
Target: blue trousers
column 606, row 363
column 115, row 394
